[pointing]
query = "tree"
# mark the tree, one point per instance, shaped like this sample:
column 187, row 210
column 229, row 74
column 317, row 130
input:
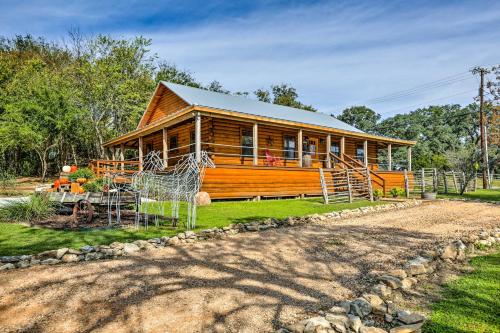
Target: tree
column 282, row 94
column 171, row 73
column 263, row 95
column 360, row 117
column 465, row 159
column 217, row 87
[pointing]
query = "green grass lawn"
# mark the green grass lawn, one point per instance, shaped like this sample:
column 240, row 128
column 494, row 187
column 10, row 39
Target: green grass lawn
column 471, row 303
column 16, row 239
column 488, row 195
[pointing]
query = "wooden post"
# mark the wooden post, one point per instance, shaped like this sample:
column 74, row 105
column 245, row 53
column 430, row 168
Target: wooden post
column 165, row 147
column 434, row 180
column 349, row 188
column 342, row 147
column 408, row 152
column 141, row 156
column 328, row 149
column 422, row 173
column 455, row 182
column 197, row 136
column 299, row 147
column 407, row 184
column 323, row 186
column 365, row 152
column 255, row 139
column 122, row 155
column 369, row 184
column 389, row 157
column 445, row 182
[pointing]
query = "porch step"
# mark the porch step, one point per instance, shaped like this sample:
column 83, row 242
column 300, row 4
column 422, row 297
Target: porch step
column 346, row 185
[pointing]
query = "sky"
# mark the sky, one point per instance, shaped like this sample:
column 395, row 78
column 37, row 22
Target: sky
column 335, row 53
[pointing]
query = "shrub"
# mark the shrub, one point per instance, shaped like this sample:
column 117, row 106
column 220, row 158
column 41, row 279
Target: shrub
column 94, row 186
column 37, row 207
column 378, row 193
column 82, row 173
column 397, row 191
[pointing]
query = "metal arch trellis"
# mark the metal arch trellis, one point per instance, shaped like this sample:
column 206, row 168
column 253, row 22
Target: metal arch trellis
column 155, row 186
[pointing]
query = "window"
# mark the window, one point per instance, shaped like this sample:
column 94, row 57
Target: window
column 192, row 141
column 173, row 143
column 289, row 147
column 335, row 148
column 360, row 153
column 149, row 148
column 246, row 142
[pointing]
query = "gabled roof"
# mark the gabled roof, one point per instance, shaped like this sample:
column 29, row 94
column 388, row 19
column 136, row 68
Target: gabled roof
column 206, row 98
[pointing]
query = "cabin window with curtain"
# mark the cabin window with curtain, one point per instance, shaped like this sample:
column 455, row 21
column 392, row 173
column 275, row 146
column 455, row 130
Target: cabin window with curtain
column 289, row 147
column 173, row 143
column 246, row 142
column 335, row 148
column 192, row 141
column 360, row 153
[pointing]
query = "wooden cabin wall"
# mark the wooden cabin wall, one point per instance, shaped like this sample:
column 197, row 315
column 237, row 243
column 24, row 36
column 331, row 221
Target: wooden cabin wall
column 166, row 104
column 225, row 182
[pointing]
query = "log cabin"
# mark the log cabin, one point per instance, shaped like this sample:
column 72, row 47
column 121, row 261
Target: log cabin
column 260, row 149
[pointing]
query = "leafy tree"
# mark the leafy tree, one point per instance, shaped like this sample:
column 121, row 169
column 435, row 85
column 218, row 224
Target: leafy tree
column 171, row 73
column 282, row 94
column 360, row 117
column 217, row 87
column 263, row 95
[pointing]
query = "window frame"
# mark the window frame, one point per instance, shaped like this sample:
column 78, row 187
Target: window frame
column 246, row 148
column 173, row 148
column 287, row 149
column 361, row 157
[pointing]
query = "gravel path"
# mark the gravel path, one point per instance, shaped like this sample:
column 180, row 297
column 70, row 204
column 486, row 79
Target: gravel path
column 246, row 283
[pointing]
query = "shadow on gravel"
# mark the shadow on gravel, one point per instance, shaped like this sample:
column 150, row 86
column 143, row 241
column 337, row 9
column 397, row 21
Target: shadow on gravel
column 299, row 268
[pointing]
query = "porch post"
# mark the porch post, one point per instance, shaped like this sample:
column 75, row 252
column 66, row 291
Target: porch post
column 255, row 140
column 300, row 147
column 389, row 157
column 122, row 155
column 342, row 147
column 165, row 147
column 141, row 156
column 365, row 152
column 197, row 136
column 408, row 151
column 328, row 148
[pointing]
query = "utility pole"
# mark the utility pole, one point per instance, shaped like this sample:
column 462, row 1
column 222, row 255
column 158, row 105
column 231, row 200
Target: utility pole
column 484, row 150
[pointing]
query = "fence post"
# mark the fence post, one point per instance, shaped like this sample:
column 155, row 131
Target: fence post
column 323, row 185
column 434, row 180
column 407, row 185
column 422, row 173
column 475, row 181
column 445, row 182
column 455, row 181
column 349, row 189
column 369, row 181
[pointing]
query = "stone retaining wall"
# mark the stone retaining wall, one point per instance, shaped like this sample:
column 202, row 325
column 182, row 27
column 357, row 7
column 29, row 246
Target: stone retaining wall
column 117, row 249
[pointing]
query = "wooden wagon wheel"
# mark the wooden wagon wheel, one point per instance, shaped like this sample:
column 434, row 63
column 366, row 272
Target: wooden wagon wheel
column 83, row 210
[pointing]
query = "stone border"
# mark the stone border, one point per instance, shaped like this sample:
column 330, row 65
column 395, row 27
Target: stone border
column 117, row 249
column 376, row 309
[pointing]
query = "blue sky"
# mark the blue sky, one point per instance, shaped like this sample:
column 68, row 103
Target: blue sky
column 336, row 53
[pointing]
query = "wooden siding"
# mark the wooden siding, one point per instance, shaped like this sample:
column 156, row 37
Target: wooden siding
column 227, row 181
column 393, row 179
column 161, row 106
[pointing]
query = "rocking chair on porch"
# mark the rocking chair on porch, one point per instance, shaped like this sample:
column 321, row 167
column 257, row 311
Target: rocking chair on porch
column 272, row 160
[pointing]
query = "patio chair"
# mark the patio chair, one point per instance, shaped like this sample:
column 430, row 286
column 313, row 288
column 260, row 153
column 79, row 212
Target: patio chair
column 272, row 160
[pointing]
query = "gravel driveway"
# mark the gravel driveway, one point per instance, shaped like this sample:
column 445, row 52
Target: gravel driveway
column 247, row 283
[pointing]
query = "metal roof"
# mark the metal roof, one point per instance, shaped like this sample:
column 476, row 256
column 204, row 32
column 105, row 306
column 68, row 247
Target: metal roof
column 201, row 97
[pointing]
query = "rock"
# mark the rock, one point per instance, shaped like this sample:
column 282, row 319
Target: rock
column 373, row 300
column 354, row 323
column 165, row 239
column 50, row 261
column 34, row 262
column 173, row 240
column 346, row 305
column 87, row 249
column 68, row 257
column 410, row 318
column 94, row 256
column 360, row 307
column 391, row 308
column 391, row 281
column 398, row 273
column 388, row 318
column 338, row 328
column 73, row 251
column 338, row 310
column 337, row 318
column 382, row 290
column 51, row 254
column 484, row 235
column 415, row 328
column 23, row 264
column 282, row 330
column 407, row 283
column 61, row 252
column 252, row 226
column 429, row 254
column 117, row 245
column 317, row 325
column 449, row 252
column 143, row 245
column 181, row 235
column 190, row 234
column 202, row 199
column 11, row 259
column 129, row 248
column 297, row 327
column 7, row 266
column 371, row 330
column 484, row 242
column 417, row 266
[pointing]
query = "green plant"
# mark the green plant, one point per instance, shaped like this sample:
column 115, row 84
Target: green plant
column 37, row 207
column 397, row 191
column 96, row 185
column 7, row 181
column 82, row 173
column 378, row 193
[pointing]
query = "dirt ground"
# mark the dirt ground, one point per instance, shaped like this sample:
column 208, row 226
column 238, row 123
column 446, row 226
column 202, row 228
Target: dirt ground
column 247, row 283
